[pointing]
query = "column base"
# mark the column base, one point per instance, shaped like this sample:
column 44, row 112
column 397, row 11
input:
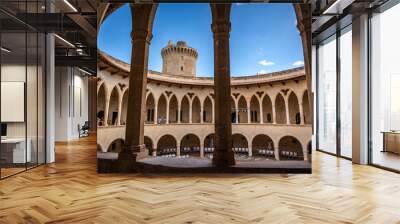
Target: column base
column 128, row 156
column 223, row 159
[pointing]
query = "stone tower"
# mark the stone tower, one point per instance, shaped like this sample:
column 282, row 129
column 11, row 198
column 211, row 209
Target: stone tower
column 179, row 59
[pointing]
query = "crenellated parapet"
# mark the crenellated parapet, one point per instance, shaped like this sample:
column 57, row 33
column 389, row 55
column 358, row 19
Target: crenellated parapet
column 179, row 59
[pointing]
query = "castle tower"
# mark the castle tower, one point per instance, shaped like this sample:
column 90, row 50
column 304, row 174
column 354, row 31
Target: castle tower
column 179, row 59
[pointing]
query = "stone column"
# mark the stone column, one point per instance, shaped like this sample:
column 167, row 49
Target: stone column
column 179, row 112
column 119, row 110
column 155, row 112
column 107, row 107
column 248, row 114
column 221, row 26
column 201, row 115
column 276, row 152
column 213, row 113
column 236, row 113
column 178, row 149
column 273, row 113
column 154, row 153
column 287, row 111
column 261, row 112
column 134, row 148
column 301, row 112
column 190, row 111
column 167, row 112
column 250, row 150
column 201, row 150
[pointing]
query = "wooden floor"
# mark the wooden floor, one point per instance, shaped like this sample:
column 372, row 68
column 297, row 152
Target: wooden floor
column 70, row 191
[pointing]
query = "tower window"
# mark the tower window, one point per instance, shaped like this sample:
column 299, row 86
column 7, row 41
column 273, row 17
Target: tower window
column 181, row 68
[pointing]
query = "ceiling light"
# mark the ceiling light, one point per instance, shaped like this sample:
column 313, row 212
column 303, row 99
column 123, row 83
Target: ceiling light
column 337, row 7
column 86, row 72
column 5, row 50
column 65, row 41
column 70, row 5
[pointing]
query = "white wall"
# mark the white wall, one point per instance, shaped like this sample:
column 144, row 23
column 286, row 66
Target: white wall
column 71, row 103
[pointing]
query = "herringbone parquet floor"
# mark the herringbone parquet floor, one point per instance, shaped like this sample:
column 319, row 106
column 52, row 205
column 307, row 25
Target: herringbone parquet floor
column 70, row 191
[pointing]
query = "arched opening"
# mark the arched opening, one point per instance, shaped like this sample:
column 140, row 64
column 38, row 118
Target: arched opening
column 207, row 110
column 280, row 109
column 196, row 110
column 242, row 106
column 254, row 110
column 124, row 109
column 162, row 110
column 306, row 109
column 99, row 148
column 113, row 107
column 173, row 110
column 290, row 149
column 263, row 146
column 185, row 110
column 240, row 145
column 209, row 146
column 166, row 146
column 116, row 145
column 101, row 105
column 150, row 105
column 294, row 110
column 309, row 151
column 267, row 109
column 182, row 62
column 190, row 146
column 234, row 111
column 149, row 145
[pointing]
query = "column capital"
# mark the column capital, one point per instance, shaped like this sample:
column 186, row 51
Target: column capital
column 221, row 27
column 141, row 35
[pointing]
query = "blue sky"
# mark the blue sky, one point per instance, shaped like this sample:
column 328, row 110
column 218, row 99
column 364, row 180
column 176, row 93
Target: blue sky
column 264, row 37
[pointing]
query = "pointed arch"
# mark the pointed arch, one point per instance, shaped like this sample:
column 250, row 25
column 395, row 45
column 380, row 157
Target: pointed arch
column 101, row 104
column 162, row 109
column 233, row 111
column 173, row 109
column 294, row 110
column 254, row 110
column 306, row 108
column 185, row 109
column 113, row 107
column 124, row 109
column 280, row 109
column 207, row 110
column 242, row 107
column 196, row 110
column 150, row 107
column 267, row 109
